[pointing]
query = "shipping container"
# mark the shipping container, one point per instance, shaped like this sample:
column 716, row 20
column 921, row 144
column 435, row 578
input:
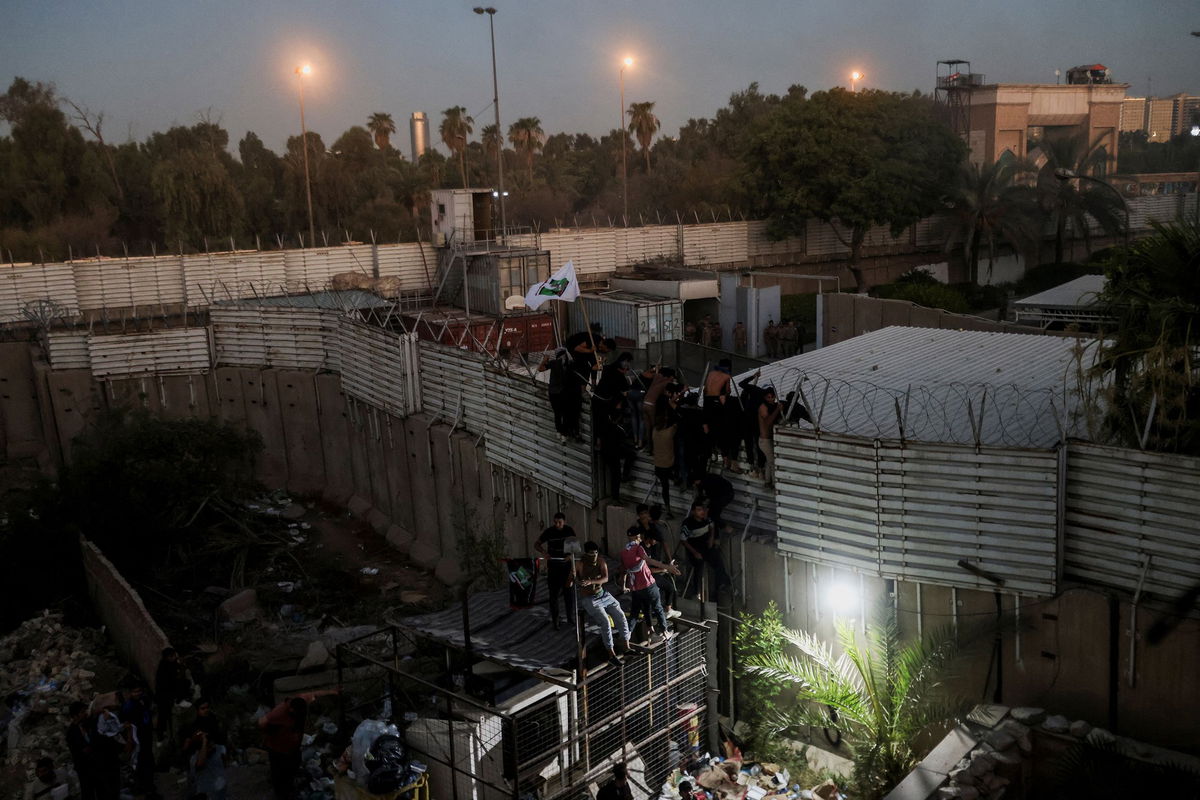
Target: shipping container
column 634, row 320
column 511, row 333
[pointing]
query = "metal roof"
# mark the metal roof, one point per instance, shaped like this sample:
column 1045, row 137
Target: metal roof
column 967, row 387
column 1079, row 293
column 522, row 638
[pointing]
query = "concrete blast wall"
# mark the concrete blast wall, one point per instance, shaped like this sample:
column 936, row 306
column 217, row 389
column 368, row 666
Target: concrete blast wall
column 134, row 633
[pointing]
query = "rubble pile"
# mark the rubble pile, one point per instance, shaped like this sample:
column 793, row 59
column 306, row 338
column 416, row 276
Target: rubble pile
column 45, row 665
column 714, row 778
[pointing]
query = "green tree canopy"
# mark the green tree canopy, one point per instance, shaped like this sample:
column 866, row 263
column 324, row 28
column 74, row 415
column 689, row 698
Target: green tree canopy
column 854, row 159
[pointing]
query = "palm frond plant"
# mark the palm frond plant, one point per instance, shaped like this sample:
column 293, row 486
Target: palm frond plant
column 886, row 693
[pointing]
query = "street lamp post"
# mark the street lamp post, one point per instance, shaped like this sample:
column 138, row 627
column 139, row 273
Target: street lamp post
column 491, row 14
column 1064, row 174
column 300, row 73
column 855, row 77
column 626, row 62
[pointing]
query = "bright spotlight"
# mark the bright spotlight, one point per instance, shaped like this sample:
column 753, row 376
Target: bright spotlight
column 842, row 598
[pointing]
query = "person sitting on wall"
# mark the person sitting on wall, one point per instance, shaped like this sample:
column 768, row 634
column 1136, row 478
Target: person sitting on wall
column 592, row 573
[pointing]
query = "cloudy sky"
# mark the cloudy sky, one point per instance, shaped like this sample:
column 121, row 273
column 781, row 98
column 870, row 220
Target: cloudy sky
column 148, row 64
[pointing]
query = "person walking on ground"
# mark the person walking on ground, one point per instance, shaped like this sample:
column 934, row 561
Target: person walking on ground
column 80, row 736
column 552, row 545
column 592, row 573
column 739, row 338
column 771, row 339
column 171, row 684
column 699, row 536
column 137, row 712
column 636, row 564
column 283, row 734
column 768, row 417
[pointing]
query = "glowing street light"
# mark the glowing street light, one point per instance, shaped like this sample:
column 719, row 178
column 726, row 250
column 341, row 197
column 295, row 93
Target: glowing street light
column 303, row 71
column 855, row 77
column 626, row 62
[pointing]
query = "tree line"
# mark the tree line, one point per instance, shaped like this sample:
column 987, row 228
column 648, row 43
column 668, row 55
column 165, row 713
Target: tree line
column 859, row 159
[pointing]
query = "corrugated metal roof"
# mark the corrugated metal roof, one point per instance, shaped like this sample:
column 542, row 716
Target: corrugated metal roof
column 968, row 387
column 1079, row 293
column 522, row 638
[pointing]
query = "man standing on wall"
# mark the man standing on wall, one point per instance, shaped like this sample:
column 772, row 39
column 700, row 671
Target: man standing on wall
column 552, row 545
column 637, row 563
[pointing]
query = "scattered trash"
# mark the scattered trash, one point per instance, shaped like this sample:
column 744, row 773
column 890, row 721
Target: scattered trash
column 286, row 586
column 369, row 570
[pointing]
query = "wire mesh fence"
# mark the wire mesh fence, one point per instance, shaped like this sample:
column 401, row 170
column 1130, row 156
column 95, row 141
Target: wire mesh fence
column 533, row 738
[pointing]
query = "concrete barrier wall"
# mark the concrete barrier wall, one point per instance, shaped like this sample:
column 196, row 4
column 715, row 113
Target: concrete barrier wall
column 844, row 316
column 134, row 633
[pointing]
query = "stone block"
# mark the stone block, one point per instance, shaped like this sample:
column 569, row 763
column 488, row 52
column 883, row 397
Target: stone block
column 1056, row 724
column 398, row 538
column 358, row 506
column 1080, row 728
column 448, row 571
column 242, row 607
column 378, row 521
column 1027, row 715
column 317, row 657
column 425, row 554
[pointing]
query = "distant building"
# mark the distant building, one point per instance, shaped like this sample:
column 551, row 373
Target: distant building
column 1162, row 118
column 1007, row 117
column 418, row 128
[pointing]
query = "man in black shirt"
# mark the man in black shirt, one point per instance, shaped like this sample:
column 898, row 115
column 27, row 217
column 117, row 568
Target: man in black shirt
column 699, row 536
column 618, row 788
column 551, row 544
column 718, row 492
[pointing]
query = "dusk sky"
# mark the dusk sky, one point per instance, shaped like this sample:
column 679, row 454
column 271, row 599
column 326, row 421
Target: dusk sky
column 148, row 64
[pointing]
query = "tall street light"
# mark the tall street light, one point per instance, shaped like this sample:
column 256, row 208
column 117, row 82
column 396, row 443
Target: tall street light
column 491, row 14
column 855, row 77
column 1064, row 175
column 626, row 62
column 302, row 71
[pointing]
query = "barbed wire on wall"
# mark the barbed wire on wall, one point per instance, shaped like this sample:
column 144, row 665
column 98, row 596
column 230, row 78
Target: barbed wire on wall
column 956, row 413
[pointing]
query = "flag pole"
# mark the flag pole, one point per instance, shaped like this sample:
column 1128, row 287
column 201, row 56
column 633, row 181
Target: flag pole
column 588, row 324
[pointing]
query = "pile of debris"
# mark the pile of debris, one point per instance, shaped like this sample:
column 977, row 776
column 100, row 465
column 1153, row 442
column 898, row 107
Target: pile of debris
column 45, row 665
column 714, row 778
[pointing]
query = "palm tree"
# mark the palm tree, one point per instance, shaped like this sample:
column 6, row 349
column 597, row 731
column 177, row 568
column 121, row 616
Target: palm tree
column 527, row 136
column 493, row 141
column 381, row 127
column 1153, row 293
column 643, row 124
column 456, row 127
column 1070, row 203
column 885, row 693
column 989, row 206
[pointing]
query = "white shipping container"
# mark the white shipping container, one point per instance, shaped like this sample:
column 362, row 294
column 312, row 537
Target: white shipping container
column 638, row 318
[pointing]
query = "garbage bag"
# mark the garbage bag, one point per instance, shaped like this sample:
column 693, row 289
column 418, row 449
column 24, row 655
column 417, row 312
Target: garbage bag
column 360, row 744
column 387, row 751
column 390, row 778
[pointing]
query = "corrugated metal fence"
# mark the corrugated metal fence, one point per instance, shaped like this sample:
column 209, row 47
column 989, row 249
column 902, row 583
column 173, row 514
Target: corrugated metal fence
column 379, row 366
column 288, row 338
column 1129, row 511
column 914, row 510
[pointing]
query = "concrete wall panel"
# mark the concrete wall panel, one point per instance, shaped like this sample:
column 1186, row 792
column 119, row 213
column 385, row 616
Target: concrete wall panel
column 297, row 407
column 260, row 398
column 399, row 456
column 335, row 440
column 21, row 434
column 76, row 400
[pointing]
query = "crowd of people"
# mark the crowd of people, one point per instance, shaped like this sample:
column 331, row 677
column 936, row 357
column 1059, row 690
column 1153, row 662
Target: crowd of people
column 121, row 741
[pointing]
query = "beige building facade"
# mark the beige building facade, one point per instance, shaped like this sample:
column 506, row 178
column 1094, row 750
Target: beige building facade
column 1007, row 117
